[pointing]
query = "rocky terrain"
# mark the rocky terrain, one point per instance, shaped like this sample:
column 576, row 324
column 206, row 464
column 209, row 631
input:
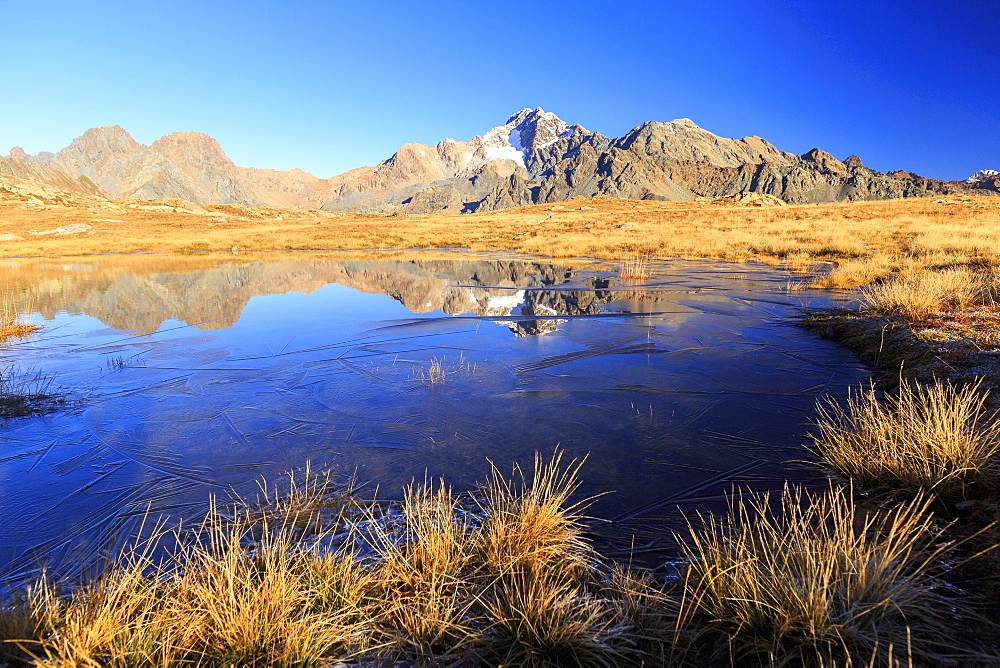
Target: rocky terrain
column 31, row 179
column 533, row 158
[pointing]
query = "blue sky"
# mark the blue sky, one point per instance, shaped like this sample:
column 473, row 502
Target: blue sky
column 330, row 85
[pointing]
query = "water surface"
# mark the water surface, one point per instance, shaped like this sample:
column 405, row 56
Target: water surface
column 190, row 376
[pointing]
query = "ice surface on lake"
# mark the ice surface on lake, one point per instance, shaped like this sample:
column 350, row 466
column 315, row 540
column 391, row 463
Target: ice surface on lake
column 187, row 381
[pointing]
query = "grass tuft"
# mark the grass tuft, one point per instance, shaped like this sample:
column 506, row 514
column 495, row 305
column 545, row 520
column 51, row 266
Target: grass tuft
column 531, row 524
column 435, row 372
column 634, row 267
column 541, row 596
column 26, row 393
column 243, row 589
column 423, row 575
column 933, row 438
column 924, row 293
column 541, row 618
column 812, row 580
column 438, row 371
column 12, row 322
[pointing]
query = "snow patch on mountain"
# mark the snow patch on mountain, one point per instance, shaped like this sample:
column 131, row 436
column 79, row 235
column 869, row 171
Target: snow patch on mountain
column 504, row 153
column 503, row 143
column 514, row 139
column 982, row 175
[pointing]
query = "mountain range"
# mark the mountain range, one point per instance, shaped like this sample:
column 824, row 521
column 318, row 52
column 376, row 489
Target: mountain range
column 535, row 157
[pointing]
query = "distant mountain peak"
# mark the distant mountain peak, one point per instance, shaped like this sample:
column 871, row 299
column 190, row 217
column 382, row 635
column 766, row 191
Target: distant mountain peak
column 524, row 132
column 112, row 135
column 684, row 122
column 199, row 139
column 190, row 138
column 532, row 116
column 105, row 130
column 537, row 129
column 198, row 146
column 982, row 175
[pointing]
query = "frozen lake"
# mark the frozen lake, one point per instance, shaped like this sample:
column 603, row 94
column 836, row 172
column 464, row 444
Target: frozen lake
column 187, row 376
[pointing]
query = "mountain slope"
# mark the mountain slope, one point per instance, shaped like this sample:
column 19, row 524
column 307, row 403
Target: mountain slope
column 37, row 179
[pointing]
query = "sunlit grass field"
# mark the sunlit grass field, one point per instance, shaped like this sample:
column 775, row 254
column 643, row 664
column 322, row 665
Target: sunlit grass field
column 865, row 241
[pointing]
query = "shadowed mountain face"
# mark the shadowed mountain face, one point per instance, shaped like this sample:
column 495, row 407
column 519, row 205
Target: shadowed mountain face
column 533, row 158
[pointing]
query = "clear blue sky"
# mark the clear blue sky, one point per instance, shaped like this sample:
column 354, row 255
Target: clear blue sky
column 331, row 85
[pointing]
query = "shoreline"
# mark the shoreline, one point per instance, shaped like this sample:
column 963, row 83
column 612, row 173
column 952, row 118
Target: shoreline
column 898, row 348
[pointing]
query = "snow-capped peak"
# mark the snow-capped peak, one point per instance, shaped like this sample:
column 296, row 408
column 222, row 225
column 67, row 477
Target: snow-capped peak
column 526, row 131
column 982, row 175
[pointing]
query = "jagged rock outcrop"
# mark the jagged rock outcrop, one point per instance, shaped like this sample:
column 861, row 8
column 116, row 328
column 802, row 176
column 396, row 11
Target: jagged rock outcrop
column 533, row 158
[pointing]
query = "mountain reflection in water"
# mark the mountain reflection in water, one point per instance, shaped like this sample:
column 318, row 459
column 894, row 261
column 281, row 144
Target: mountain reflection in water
column 188, row 376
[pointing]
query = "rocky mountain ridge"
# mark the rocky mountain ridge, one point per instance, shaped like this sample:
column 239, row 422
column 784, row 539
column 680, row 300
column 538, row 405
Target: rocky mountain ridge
column 535, row 157
column 985, row 179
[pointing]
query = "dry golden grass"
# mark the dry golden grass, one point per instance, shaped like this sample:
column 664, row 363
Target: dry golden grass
column 650, row 609
column 635, row 266
column 529, row 524
column 883, row 235
column 505, row 580
column 814, row 581
column 934, row 439
column 541, row 601
column 541, row 618
column 12, row 322
column 852, row 272
column 440, row 370
column 921, row 294
column 253, row 584
column 244, row 606
column 241, row 588
column 435, row 372
column 423, row 575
